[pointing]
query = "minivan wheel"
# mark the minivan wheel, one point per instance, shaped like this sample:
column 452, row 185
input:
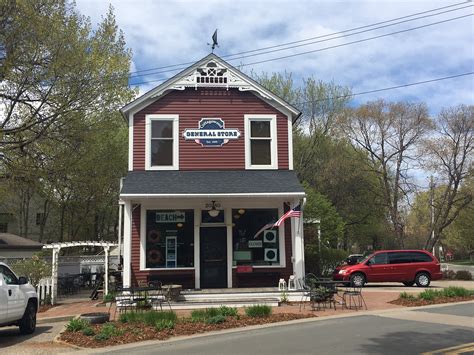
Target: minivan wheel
column 422, row 279
column 28, row 322
column 409, row 283
column 357, row 279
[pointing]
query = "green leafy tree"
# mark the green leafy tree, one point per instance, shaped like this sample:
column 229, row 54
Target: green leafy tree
column 34, row 269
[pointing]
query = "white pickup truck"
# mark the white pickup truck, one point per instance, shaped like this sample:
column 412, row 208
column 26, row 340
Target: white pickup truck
column 18, row 301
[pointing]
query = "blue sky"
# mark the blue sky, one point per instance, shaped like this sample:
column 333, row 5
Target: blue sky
column 162, row 33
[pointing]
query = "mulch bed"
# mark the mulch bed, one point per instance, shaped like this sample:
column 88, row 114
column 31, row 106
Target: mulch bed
column 439, row 300
column 134, row 332
column 45, row 307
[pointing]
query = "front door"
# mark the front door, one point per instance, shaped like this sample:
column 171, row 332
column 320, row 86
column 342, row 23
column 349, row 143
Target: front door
column 213, row 248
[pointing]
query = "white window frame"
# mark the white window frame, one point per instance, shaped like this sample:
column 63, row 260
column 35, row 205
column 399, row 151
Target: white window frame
column 273, row 144
column 156, row 117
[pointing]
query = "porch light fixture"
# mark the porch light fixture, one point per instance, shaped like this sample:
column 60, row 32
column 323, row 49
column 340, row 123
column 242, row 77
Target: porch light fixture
column 179, row 225
column 213, row 212
column 241, row 211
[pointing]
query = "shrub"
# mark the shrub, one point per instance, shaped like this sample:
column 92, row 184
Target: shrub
column 463, row 275
column 163, row 324
column 429, row 295
column 407, row 296
column 259, row 310
column 228, row 311
column 454, row 291
column 198, row 315
column 150, row 317
column 108, row 331
column 110, row 297
column 33, row 268
column 88, row 331
column 219, row 318
column 77, row 324
column 449, row 275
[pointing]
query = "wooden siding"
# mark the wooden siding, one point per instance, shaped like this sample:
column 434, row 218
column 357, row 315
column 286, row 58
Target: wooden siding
column 193, row 105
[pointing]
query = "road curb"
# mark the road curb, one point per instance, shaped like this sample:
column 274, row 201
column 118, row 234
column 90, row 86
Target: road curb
column 54, row 319
column 257, row 327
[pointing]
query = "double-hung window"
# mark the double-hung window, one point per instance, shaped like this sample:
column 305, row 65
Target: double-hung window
column 260, row 142
column 161, row 151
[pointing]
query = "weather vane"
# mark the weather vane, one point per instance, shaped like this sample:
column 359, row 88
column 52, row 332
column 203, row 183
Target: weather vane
column 214, row 41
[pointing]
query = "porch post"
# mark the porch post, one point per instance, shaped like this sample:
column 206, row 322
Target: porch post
column 120, row 232
column 106, row 280
column 127, row 243
column 54, row 276
column 299, row 246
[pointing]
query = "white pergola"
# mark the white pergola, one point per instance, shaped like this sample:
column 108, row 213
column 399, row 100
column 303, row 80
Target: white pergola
column 56, row 247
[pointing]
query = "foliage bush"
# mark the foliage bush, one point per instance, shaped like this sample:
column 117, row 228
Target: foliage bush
column 163, row 324
column 429, row 295
column 77, row 324
column 228, row 311
column 88, row 331
column 452, row 291
column 407, row 296
column 108, row 331
column 216, row 314
column 259, row 310
column 149, row 318
column 449, row 275
column 34, row 269
column 463, row 275
column 329, row 259
column 198, row 315
column 110, row 297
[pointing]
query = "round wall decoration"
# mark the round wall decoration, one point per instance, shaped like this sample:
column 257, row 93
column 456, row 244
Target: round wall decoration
column 154, row 236
column 154, row 256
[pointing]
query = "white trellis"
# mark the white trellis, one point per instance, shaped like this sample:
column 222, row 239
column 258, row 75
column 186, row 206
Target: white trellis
column 56, row 247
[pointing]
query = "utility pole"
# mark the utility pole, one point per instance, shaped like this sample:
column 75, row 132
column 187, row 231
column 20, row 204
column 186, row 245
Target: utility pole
column 432, row 186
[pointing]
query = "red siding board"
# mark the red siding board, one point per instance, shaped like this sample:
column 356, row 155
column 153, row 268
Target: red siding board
column 193, row 105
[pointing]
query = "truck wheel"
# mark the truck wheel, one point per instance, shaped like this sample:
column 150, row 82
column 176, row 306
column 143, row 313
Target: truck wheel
column 28, row 322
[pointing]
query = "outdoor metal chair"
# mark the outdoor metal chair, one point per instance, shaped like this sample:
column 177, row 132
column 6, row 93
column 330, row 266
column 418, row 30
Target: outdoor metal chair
column 125, row 300
column 353, row 299
column 157, row 295
column 306, row 285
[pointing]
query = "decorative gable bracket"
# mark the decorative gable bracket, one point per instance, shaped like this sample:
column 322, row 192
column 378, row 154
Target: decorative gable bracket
column 212, row 75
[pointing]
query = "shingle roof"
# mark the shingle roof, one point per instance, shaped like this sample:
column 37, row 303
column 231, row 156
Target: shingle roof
column 211, row 182
column 13, row 241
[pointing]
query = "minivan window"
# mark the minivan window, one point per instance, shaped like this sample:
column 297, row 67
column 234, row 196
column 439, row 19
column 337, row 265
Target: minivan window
column 400, row 258
column 419, row 257
column 379, row 259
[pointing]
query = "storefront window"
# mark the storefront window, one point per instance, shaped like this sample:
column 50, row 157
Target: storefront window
column 250, row 248
column 169, row 238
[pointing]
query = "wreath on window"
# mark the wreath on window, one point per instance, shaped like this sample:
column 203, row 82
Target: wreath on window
column 154, row 236
column 154, row 256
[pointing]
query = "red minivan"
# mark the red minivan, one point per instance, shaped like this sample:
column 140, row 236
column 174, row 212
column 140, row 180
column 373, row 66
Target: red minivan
column 406, row 266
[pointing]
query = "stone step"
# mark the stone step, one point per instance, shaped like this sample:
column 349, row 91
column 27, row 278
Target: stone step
column 215, row 303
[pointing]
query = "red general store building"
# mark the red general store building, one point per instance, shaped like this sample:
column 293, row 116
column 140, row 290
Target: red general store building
column 210, row 164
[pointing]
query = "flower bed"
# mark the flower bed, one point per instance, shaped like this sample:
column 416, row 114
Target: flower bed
column 428, row 297
column 134, row 327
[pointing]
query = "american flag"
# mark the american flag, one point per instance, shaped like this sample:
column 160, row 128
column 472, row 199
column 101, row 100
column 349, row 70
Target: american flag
column 293, row 213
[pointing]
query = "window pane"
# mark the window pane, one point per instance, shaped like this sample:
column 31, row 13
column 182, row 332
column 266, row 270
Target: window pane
column 260, row 129
column 169, row 238
column 380, row 259
column 161, row 129
column 250, row 248
column 260, row 152
column 161, row 152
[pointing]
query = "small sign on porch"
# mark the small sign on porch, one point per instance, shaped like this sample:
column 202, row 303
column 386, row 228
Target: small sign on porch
column 255, row 244
column 170, row 217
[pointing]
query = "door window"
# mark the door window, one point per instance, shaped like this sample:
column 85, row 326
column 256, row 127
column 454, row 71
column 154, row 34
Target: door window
column 8, row 276
column 400, row 258
column 379, row 259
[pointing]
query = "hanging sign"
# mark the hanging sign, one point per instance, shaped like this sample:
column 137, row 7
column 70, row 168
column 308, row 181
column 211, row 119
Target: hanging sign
column 211, row 133
column 170, row 217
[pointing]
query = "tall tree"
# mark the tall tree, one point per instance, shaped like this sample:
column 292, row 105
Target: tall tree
column 390, row 133
column 450, row 157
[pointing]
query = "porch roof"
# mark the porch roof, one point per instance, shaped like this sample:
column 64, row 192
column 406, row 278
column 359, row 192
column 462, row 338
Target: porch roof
column 207, row 183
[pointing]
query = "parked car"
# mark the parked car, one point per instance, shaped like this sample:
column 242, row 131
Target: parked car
column 407, row 266
column 18, row 301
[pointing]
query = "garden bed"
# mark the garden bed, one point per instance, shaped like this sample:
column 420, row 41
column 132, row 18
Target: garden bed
column 429, row 297
column 129, row 331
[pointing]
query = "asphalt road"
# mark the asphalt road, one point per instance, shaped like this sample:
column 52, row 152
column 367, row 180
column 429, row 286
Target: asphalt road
column 398, row 332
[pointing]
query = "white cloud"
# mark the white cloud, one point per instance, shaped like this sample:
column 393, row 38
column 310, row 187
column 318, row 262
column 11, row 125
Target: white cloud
column 169, row 32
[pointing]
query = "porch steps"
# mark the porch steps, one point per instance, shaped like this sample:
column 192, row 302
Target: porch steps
column 217, row 302
column 254, row 296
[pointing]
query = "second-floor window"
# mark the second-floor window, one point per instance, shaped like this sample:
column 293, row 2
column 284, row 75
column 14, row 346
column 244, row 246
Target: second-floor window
column 161, row 151
column 260, row 142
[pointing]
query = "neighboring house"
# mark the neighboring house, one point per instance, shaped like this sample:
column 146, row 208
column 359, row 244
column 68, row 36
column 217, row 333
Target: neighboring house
column 14, row 246
column 210, row 164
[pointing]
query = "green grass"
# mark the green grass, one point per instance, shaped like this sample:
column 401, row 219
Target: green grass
column 407, row 296
column 149, row 317
column 449, row 292
column 77, row 324
column 108, row 331
column 216, row 319
column 218, row 315
column 88, row 331
column 259, row 310
column 163, row 324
